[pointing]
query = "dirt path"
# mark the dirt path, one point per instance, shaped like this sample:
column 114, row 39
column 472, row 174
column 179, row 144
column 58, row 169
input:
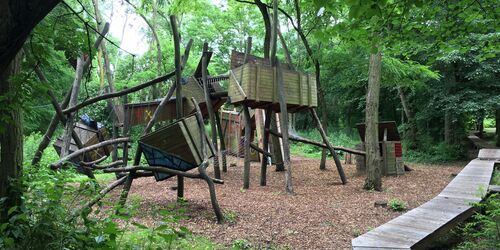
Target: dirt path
column 322, row 215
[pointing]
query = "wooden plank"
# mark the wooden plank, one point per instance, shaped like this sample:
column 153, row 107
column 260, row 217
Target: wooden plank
column 489, row 154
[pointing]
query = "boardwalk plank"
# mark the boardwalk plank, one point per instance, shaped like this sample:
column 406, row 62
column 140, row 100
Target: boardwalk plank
column 419, row 225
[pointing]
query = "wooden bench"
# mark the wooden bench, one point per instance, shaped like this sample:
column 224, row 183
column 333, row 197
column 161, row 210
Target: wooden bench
column 417, row 228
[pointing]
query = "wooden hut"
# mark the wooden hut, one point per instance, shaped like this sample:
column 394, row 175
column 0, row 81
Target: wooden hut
column 175, row 146
column 89, row 133
column 391, row 149
column 233, row 128
column 255, row 84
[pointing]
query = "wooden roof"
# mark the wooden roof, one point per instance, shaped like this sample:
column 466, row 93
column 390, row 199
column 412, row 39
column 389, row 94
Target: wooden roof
column 392, row 131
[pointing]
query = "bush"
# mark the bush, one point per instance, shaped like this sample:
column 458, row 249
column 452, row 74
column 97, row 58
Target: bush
column 430, row 152
column 397, row 205
column 50, row 198
column 484, row 231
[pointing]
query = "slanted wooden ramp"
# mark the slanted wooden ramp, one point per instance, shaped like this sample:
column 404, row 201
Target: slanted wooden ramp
column 416, row 229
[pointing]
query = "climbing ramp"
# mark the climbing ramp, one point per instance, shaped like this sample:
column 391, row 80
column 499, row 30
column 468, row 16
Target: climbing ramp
column 176, row 146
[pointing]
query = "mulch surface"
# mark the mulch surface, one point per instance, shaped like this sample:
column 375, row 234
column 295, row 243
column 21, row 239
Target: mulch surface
column 323, row 213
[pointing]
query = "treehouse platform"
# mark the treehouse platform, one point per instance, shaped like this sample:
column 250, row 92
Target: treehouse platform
column 255, row 84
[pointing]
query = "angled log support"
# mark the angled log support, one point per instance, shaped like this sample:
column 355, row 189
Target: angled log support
column 338, row 164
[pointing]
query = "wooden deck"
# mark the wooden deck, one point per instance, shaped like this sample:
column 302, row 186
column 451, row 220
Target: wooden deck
column 417, row 228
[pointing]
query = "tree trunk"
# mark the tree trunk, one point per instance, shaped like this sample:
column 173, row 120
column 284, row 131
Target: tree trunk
column 411, row 119
column 11, row 140
column 447, row 127
column 373, row 174
column 497, row 121
column 267, row 24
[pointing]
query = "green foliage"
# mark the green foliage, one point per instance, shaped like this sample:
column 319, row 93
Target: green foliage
column 241, row 245
column 49, row 200
column 483, row 232
column 430, row 152
column 230, row 216
column 336, row 138
column 397, row 205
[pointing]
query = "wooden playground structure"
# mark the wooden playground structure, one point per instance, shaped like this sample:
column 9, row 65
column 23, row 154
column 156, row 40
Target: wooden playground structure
column 180, row 145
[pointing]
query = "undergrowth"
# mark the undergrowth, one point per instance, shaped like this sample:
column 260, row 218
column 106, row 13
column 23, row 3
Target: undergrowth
column 483, row 232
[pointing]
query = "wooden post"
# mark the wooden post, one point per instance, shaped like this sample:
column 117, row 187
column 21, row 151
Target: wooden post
column 210, row 109
column 47, row 137
column 66, row 138
column 202, row 168
column 276, row 145
column 125, row 131
column 178, row 89
column 248, row 130
column 265, row 147
column 338, row 164
column 284, row 129
column 222, row 142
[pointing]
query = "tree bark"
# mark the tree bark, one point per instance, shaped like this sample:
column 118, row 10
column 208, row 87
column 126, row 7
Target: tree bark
column 411, row 118
column 373, row 172
column 267, row 25
column 11, row 140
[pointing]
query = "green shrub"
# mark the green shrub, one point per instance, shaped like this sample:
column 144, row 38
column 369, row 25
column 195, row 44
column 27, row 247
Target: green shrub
column 50, row 198
column 397, row 205
column 484, row 231
column 241, row 245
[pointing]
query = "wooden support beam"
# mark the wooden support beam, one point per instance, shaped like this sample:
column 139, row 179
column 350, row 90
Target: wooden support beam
column 327, row 143
column 264, row 163
column 47, row 137
column 321, row 145
column 97, row 198
column 248, row 126
column 284, row 127
column 202, row 168
column 119, row 93
column 261, row 151
column 159, row 169
column 210, row 109
column 60, row 162
column 178, row 88
column 222, row 142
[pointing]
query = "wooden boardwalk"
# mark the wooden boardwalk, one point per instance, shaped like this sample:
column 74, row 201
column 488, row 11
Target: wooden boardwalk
column 480, row 143
column 417, row 228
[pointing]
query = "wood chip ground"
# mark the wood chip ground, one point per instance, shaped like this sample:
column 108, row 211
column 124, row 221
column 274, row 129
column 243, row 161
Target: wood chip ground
column 323, row 213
